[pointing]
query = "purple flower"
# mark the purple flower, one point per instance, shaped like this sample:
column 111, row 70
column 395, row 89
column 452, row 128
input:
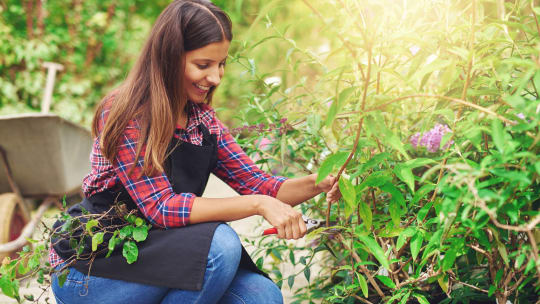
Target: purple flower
column 431, row 140
column 283, row 120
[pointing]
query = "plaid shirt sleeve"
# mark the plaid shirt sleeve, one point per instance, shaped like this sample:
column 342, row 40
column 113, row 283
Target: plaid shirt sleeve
column 153, row 194
column 236, row 169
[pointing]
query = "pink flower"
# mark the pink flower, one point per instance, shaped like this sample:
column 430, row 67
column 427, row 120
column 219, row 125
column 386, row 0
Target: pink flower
column 431, row 140
column 263, row 143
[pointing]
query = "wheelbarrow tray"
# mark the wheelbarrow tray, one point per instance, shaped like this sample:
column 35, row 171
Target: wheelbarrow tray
column 48, row 155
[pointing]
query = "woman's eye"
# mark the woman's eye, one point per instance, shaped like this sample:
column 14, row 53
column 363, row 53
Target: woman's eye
column 202, row 66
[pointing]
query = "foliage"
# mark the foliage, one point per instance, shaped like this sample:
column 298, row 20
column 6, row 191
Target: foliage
column 84, row 231
column 360, row 84
column 454, row 220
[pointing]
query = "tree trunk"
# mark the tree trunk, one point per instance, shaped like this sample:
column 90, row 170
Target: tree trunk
column 30, row 18
column 40, row 17
column 93, row 50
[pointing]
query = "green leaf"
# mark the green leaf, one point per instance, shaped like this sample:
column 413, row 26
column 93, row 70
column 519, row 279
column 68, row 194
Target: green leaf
column 130, row 251
column 497, row 134
column 332, row 162
column 396, row 194
column 409, row 232
column 112, row 243
column 395, row 142
column 291, row 257
column 96, row 240
column 277, row 254
column 139, row 222
column 502, row 251
column 375, row 249
column 375, row 179
column 331, row 113
column 62, row 277
column 421, row 193
column 290, row 281
column 416, row 244
column 498, row 276
column 349, row 195
column 491, row 290
column 443, row 282
column 365, row 214
column 140, row 233
column 405, row 297
column 395, row 213
column 396, row 204
column 363, row 285
column 421, row 298
column 307, row 273
column 449, row 258
column 126, row 232
column 386, row 281
column 9, row 287
column 338, row 104
column 423, row 212
column 375, row 160
column 130, row 218
column 91, row 224
column 419, row 162
column 405, row 174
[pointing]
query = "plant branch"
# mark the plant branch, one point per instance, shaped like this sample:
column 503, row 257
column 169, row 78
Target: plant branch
column 362, row 267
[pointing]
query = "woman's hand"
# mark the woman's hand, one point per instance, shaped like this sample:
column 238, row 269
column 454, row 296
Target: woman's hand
column 329, row 185
column 289, row 222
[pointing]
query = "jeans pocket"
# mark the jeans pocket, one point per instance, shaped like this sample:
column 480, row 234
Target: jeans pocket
column 75, row 285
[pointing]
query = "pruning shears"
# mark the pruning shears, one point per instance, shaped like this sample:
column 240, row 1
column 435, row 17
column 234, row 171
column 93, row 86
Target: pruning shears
column 311, row 224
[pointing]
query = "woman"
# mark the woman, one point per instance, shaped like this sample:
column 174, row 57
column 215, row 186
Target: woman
column 156, row 142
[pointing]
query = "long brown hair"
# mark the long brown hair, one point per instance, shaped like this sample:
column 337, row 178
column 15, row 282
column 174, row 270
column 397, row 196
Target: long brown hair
column 153, row 93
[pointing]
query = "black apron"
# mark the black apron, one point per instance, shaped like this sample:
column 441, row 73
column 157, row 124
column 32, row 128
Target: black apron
column 174, row 258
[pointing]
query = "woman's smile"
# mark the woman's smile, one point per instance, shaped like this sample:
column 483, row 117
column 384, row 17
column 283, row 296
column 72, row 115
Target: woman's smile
column 204, row 68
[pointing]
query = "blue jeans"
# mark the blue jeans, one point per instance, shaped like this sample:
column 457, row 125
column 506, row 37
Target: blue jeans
column 224, row 282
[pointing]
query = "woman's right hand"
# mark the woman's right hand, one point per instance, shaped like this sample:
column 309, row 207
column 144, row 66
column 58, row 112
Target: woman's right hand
column 289, row 222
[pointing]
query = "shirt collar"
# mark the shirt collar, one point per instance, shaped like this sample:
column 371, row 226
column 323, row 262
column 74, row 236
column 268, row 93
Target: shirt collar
column 194, row 114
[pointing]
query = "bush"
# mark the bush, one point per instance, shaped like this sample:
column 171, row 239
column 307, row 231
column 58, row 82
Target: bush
column 432, row 123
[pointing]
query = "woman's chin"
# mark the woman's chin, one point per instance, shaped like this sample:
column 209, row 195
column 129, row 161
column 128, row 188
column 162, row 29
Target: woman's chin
column 197, row 99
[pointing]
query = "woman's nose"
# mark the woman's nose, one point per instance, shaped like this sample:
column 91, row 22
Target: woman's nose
column 214, row 77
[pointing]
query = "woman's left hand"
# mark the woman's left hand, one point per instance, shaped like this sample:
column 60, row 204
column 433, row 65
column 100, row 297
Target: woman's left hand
column 330, row 186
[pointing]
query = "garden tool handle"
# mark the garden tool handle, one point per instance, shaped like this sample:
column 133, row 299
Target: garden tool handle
column 268, row 231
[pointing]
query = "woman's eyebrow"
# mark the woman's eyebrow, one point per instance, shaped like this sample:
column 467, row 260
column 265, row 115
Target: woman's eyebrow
column 209, row 60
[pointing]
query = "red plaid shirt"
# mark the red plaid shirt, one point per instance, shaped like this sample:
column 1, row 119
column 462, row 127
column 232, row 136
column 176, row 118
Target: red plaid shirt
column 154, row 194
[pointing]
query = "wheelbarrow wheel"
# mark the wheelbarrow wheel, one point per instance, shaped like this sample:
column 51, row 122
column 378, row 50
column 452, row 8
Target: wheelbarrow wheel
column 12, row 221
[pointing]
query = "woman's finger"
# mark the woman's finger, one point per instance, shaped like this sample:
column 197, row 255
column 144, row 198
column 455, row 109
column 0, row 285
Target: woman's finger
column 289, row 230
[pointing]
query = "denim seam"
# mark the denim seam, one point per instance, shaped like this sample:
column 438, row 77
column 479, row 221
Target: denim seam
column 238, row 296
column 58, row 300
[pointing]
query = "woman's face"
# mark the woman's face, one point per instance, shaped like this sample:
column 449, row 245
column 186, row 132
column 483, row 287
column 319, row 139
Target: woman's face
column 204, row 68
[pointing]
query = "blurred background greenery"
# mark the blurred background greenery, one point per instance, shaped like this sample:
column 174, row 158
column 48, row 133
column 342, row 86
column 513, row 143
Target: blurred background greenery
column 98, row 41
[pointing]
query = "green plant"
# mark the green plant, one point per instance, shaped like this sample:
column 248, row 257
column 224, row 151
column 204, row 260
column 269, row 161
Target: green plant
column 430, row 225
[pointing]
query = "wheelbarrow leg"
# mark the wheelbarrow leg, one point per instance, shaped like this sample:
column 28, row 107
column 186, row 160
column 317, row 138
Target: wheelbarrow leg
column 13, row 185
column 12, row 235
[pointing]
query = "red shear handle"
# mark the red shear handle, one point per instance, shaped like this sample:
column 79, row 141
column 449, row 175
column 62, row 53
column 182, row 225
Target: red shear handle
column 270, row 231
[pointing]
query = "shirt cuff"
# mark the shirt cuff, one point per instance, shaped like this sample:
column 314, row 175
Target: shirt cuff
column 273, row 185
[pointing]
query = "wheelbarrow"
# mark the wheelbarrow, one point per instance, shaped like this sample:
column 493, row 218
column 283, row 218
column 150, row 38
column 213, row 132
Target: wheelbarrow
column 44, row 157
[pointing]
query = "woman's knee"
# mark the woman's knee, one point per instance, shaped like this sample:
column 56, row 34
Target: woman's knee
column 226, row 248
column 249, row 287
